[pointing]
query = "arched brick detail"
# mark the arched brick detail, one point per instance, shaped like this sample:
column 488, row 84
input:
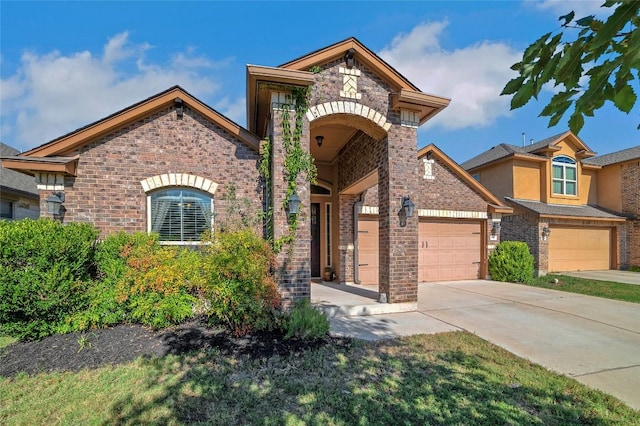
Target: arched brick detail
column 348, row 107
column 179, row 179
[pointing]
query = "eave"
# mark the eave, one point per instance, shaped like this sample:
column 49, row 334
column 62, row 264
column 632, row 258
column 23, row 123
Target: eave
column 33, row 165
column 427, row 105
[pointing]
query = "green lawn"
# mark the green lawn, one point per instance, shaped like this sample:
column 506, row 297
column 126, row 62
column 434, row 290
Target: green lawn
column 449, row 378
column 606, row 289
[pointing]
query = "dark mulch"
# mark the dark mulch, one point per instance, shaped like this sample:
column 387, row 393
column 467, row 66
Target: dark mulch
column 125, row 343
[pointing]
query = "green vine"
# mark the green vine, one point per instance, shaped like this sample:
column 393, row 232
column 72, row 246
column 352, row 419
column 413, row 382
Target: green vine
column 296, row 162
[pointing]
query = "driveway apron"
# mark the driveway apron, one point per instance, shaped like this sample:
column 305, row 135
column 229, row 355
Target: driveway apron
column 594, row 340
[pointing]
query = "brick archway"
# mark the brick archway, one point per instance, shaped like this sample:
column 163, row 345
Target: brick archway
column 352, row 114
column 179, row 179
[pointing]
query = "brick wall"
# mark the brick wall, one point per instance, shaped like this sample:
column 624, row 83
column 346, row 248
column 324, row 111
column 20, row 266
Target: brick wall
column 630, row 182
column 523, row 227
column 107, row 190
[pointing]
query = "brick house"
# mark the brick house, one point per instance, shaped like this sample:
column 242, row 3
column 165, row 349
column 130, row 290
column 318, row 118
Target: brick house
column 167, row 163
column 19, row 198
column 567, row 206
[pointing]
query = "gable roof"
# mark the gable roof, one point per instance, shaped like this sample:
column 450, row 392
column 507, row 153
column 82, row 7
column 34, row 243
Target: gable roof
column 533, row 151
column 628, row 154
column 498, row 205
column 72, row 141
column 365, row 55
column 11, row 181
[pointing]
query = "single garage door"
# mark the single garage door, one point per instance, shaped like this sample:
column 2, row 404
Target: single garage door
column 449, row 250
column 368, row 250
column 579, row 249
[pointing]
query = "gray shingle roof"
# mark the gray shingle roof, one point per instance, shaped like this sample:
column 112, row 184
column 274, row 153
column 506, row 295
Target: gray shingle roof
column 15, row 181
column 564, row 210
column 632, row 153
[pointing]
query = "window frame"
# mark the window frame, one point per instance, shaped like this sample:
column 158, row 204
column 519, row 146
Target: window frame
column 180, row 188
column 564, row 162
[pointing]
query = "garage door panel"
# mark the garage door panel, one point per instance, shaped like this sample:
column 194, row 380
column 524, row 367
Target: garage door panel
column 579, row 249
column 449, row 250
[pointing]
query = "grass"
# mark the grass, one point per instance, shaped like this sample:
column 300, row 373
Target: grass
column 606, row 289
column 449, row 378
column 6, row 341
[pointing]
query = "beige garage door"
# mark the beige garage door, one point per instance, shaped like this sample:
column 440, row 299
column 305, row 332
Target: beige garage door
column 579, row 249
column 449, row 250
column 368, row 250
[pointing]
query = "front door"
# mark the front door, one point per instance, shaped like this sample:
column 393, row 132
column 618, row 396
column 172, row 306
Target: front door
column 315, row 239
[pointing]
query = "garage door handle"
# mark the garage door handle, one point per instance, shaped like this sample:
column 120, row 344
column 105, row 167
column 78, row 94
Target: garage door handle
column 363, row 264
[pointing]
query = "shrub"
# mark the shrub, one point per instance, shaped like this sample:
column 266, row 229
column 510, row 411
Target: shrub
column 44, row 272
column 239, row 285
column 306, row 322
column 511, row 261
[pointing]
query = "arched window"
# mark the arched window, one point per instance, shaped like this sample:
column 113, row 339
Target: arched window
column 565, row 176
column 180, row 215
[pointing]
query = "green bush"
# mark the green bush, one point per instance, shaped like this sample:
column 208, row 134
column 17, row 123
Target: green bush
column 239, row 284
column 45, row 268
column 511, row 261
column 306, row 322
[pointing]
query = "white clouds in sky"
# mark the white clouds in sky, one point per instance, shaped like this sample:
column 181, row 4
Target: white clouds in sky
column 52, row 94
column 472, row 76
column 581, row 8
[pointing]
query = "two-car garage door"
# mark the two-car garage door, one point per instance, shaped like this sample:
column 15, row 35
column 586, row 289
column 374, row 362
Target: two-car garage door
column 447, row 250
column 579, row 249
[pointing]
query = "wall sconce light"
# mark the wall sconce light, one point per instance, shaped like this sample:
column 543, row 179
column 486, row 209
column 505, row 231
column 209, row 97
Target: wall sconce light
column 179, row 105
column 495, row 229
column 319, row 140
column 54, row 202
column 350, row 58
column 406, row 210
column 294, row 204
column 545, row 233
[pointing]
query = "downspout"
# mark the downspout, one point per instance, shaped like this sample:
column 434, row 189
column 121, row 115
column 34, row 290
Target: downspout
column 357, row 206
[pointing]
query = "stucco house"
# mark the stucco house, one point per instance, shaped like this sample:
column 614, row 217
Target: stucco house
column 19, row 198
column 167, row 163
column 567, row 204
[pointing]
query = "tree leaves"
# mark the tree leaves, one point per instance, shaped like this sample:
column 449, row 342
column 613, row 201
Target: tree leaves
column 597, row 66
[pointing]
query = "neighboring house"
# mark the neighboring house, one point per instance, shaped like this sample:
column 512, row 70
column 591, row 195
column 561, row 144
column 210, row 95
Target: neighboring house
column 619, row 190
column 167, row 163
column 19, row 198
column 459, row 223
column 561, row 200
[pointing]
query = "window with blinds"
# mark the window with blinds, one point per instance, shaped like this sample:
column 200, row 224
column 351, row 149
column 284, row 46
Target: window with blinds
column 181, row 215
column 565, row 179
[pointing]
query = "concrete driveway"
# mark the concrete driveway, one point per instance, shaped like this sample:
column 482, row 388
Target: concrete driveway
column 594, row 340
column 607, row 275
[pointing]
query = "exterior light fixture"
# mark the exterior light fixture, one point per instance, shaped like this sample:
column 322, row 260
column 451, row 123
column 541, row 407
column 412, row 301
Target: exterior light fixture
column 294, row 204
column 179, row 105
column 350, row 58
column 406, row 210
column 54, row 202
column 545, row 233
column 319, row 140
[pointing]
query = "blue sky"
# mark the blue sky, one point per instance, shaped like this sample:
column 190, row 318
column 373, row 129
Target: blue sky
column 67, row 64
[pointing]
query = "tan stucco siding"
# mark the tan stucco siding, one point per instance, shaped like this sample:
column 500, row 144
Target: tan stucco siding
column 609, row 188
column 498, row 179
column 526, row 180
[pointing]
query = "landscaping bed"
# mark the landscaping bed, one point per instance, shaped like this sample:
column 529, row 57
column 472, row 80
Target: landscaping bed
column 125, row 343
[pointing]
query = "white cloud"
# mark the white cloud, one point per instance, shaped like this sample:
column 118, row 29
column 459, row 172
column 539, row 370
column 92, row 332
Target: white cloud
column 52, row 94
column 233, row 109
column 581, row 8
column 472, row 76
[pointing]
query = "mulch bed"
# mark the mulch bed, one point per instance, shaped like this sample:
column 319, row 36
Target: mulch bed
column 125, row 343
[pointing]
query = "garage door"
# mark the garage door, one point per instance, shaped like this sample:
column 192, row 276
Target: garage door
column 449, row 250
column 368, row 250
column 579, row 249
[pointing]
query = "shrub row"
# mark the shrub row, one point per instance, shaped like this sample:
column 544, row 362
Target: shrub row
column 55, row 278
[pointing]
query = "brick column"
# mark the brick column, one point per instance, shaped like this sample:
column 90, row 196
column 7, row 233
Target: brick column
column 293, row 269
column 398, row 177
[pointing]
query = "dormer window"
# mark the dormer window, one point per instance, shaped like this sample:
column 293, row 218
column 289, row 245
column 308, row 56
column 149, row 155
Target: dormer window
column 565, row 176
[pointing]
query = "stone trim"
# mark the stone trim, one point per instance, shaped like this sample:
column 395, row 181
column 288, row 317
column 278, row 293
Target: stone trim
column 454, row 214
column 50, row 181
column 179, row 179
column 347, row 107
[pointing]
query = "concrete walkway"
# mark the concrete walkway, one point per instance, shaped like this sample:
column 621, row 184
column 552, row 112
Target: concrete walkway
column 627, row 277
column 594, row 340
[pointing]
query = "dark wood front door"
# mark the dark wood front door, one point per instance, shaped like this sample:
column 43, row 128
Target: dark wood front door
column 315, row 239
